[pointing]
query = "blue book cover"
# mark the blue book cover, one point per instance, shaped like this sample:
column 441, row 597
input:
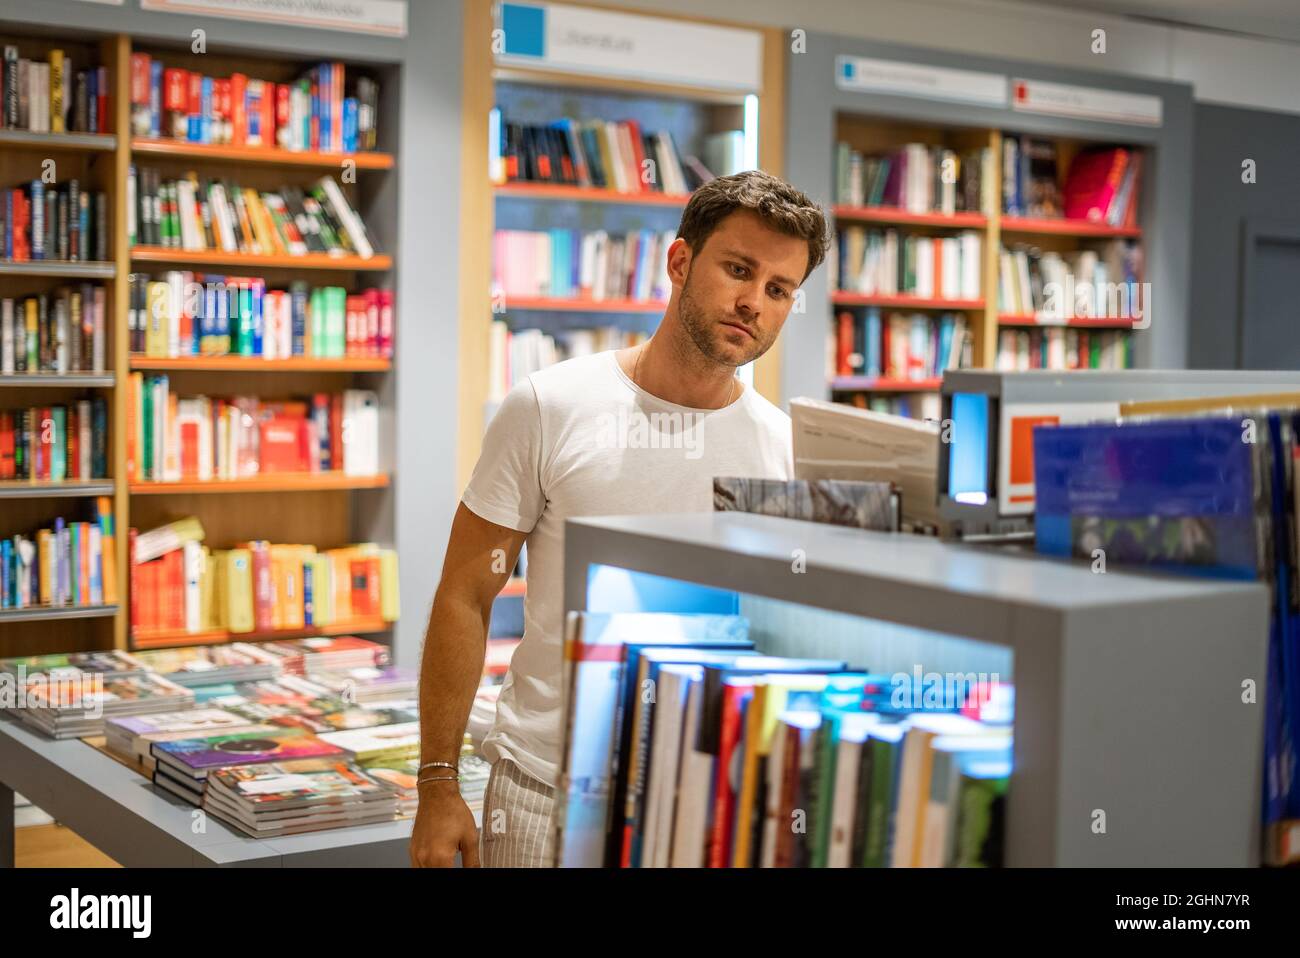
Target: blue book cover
column 308, row 607
column 872, row 339
column 155, row 98
column 9, row 229
column 257, row 328
column 92, row 99
column 6, row 555
column 1174, row 493
column 205, row 110
column 38, row 219
column 350, row 124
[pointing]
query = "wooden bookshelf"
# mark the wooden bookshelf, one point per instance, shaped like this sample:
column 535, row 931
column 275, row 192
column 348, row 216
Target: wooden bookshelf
column 904, row 301
column 256, row 364
column 254, row 261
column 894, row 216
column 558, row 304
column 1063, row 227
column 227, row 153
column 273, row 482
column 169, row 639
column 586, row 194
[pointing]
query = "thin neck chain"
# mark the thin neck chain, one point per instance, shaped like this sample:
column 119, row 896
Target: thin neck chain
column 636, row 365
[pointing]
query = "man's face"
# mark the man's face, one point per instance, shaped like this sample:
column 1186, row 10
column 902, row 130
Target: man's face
column 738, row 288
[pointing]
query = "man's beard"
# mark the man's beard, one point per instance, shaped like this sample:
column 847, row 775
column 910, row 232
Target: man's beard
column 702, row 328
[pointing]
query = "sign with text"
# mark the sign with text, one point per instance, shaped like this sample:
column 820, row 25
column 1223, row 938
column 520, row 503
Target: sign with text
column 384, row 17
column 1063, row 99
column 899, row 78
column 554, row 36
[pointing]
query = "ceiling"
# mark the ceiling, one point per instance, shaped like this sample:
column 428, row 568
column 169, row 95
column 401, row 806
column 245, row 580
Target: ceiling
column 1274, row 19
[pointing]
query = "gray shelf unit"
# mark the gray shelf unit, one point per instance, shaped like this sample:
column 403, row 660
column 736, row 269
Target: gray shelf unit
column 87, row 380
column 70, row 489
column 421, row 110
column 814, row 101
column 45, row 613
column 64, row 269
column 27, row 140
column 1128, row 687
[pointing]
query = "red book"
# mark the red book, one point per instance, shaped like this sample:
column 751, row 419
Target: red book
column 176, row 589
column 268, row 112
column 221, row 109
column 8, row 468
column 386, row 323
column 284, row 444
column 843, row 343
column 194, row 103
column 72, row 469
column 189, row 450
column 43, row 444
column 638, row 156
column 736, row 693
column 263, row 587
column 336, row 431
column 238, row 108
column 336, row 121
column 281, row 109
column 140, row 79
column 101, row 100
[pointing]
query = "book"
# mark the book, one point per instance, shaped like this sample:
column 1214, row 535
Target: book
column 842, row 502
column 194, row 758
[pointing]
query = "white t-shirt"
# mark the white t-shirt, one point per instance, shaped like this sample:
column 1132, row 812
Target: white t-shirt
column 581, row 439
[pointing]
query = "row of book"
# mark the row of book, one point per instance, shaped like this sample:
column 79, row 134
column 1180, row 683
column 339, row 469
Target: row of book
column 617, row 156
column 923, row 406
column 1101, row 186
column 746, row 760
column 52, row 96
column 69, row 563
column 899, row 346
column 515, row 354
column 196, row 214
column 63, row 331
column 55, row 443
column 322, row 110
column 1085, row 283
column 1054, row 347
column 917, row 178
column 582, row 264
column 1177, row 489
column 64, row 223
column 202, row 438
column 889, row 263
column 195, row 314
column 257, row 586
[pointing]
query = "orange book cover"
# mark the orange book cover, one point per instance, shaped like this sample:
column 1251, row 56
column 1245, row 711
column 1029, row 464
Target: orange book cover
column 341, row 560
column 284, row 444
column 936, row 248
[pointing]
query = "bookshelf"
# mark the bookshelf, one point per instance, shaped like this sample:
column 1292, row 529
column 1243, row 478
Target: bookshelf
column 841, row 92
column 538, row 93
column 888, row 603
column 329, row 509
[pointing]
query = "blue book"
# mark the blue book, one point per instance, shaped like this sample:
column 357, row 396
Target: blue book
column 257, row 327
column 308, row 608
column 9, row 228
column 155, row 98
column 6, row 556
column 205, row 110
column 872, row 337
column 350, row 124
column 92, row 99
column 38, row 219
column 321, row 106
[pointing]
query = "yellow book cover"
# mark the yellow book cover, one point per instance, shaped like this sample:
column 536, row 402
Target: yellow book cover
column 388, row 592
column 33, row 328
column 218, row 610
column 341, row 583
column 238, row 597
column 45, row 556
column 322, row 594
column 155, row 335
column 207, row 586
column 275, row 556
column 56, row 92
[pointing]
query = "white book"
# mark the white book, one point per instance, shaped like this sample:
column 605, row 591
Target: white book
column 98, row 337
column 6, row 335
column 40, row 93
column 192, row 559
column 360, row 432
column 96, row 584
column 844, row 796
column 693, row 792
column 175, row 303
column 971, row 264
column 83, row 438
column 347, row 217
column 665, row 761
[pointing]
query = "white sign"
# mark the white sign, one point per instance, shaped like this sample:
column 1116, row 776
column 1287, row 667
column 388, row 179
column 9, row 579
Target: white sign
column 1016, row 445
column 1061, row 99
column 386, row 17
column 898, row 78
column 609, row 43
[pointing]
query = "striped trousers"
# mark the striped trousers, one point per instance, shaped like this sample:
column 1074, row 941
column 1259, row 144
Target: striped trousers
column 517, row 810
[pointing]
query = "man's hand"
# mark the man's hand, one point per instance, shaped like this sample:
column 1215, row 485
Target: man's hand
column 444, row 825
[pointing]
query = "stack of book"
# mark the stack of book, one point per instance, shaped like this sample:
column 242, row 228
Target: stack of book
column 132, row 737
column 369, row 683
column 387, row 743
column 887, row 263
column 213, row 215
column 1052, row 347
column 54, row 443
column 1086, row 283
column 182, row 765
column 322, row 110
column 399, row 775
column 593, row 153
column 296, row 796
column 74, row 706
column 179, row 585
column 898, row 346
column 515, row 354
column 917, row 178
column 195, row 314
column 104, row 664
column 60, row 332
column 204, row 438
column 582, row 264
column 332, row 654
column 64, row 223
column 208, row 664
column 52, row 96
column 67, row 564
column 827, row 767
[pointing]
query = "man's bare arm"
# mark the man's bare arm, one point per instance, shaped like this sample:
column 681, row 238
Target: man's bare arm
column 480, row 556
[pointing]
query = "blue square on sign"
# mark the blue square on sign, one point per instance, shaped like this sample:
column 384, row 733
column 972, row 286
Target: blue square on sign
column 525, row 29
column 847, row 69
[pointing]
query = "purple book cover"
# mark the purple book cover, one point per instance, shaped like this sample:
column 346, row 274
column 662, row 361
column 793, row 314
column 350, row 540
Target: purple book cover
column 243, row 748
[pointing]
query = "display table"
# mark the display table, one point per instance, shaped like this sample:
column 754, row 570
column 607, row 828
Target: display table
column 121, row 813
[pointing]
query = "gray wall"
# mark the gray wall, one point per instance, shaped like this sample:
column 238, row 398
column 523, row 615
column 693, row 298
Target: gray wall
column 1221, row 201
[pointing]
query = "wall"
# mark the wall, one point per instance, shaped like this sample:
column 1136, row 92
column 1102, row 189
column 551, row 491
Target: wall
column 1220, row 201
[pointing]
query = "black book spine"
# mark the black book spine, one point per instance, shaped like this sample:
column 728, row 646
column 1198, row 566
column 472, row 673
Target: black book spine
column 99, row 438
column 11, row 88
column 81, row 107
column 51, row 224
column 101, row 227
column 46, row 340
column 63, row 225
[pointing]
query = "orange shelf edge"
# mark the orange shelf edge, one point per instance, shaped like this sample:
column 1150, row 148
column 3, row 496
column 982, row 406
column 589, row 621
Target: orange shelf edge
column 165, row 639
column 259, row 154
column 275, row 482
column 158, row 254
column 257, row 364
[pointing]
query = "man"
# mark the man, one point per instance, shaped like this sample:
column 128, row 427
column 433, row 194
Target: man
column 640, row 430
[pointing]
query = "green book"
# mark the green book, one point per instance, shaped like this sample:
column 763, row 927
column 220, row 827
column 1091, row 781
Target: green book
column 146, row 429
column 1094, row 352
column 59, row 449
column 74, row 563
column 317, row 318
column 981, row 799
column 339, row 320
column 886, row 745
column 245, row 324
column 819, row 828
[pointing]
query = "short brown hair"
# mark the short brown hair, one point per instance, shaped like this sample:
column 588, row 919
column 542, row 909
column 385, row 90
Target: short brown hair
column 779, row 204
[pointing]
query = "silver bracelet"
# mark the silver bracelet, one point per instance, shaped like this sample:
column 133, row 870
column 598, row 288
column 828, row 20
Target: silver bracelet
column 438, row 778
column 437, row 765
